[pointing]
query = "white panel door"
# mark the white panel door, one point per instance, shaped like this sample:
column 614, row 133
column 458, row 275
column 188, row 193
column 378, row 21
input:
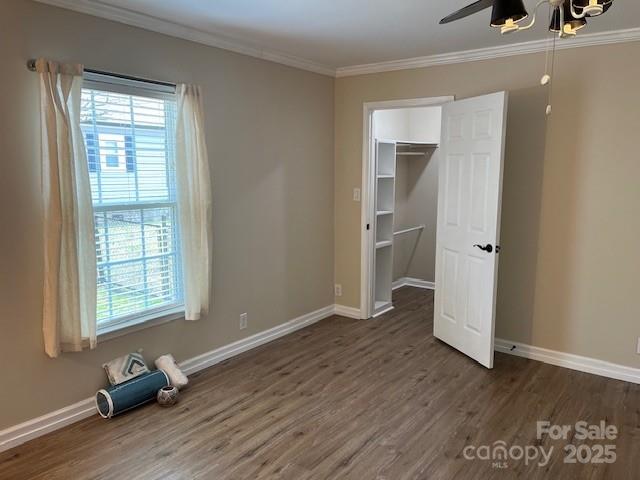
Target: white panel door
column 469, row 200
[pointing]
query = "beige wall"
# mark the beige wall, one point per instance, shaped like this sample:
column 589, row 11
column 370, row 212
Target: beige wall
column 270, row 137
column 569, row 268
column 570, row 264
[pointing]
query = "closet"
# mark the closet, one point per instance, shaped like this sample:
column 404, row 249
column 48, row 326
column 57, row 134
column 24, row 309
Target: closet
column 405, row 200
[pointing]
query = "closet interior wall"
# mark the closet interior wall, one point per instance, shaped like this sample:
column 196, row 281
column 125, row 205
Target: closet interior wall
column 416, row 203
column 416, row 132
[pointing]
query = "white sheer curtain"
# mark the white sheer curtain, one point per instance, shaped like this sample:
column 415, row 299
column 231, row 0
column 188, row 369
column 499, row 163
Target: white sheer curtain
column 194, row 200
column 69, row 310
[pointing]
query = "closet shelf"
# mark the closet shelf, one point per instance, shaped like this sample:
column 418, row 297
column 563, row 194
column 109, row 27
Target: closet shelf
column 409, row 230
column 384, row 212
column 404, row 143
column 385, row 243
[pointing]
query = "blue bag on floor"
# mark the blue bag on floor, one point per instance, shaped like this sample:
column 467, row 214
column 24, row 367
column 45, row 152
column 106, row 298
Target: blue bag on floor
column 120, row 398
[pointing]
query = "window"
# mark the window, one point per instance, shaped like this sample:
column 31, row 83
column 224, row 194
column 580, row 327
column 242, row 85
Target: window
column 129, row 136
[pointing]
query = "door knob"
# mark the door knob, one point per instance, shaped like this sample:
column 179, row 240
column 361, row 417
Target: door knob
column 487, row 248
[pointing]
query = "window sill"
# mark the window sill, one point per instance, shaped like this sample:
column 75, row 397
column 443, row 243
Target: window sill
column 140, row 323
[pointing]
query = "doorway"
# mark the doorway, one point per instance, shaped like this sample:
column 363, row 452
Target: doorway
column 395, row 115
column 467, row 138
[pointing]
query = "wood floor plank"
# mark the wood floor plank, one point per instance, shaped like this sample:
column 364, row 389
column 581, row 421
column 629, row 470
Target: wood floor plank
column 346, row 399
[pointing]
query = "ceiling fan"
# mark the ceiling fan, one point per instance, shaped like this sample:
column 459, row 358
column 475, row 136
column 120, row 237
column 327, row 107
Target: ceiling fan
column 566, row 16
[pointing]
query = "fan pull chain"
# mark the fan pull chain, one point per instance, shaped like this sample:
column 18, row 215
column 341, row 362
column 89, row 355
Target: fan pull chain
column 546, row 77
column 549, row 58
column 553, row 62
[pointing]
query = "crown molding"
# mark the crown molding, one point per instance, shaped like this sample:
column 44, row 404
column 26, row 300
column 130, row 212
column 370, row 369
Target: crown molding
column 148, row 22
column 536, row 46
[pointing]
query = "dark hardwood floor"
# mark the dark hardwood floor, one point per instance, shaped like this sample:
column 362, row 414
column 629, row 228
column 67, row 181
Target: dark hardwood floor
column 376, row 399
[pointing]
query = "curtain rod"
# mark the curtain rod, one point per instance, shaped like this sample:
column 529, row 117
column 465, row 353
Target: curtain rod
column 31, row 65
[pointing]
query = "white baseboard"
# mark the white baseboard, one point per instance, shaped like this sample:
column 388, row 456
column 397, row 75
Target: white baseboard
column 19, row 434
column 413, row 282
column 23, row 432
column 383, row 311
column 208, row 359
column 348, row 312
column 568, row 360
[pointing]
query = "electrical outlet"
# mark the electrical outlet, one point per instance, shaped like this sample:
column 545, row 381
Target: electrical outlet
column 356, row 194
column 338, row 290
column 243, row 321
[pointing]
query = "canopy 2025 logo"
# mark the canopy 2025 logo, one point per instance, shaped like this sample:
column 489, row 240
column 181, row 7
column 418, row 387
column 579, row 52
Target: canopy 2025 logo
column 597, row 451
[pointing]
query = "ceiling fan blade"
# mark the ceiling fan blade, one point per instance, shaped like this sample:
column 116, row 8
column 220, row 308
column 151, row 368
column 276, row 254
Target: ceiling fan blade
column 468, row 10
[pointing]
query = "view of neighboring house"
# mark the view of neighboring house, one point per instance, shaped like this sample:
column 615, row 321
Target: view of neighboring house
column 126, row 139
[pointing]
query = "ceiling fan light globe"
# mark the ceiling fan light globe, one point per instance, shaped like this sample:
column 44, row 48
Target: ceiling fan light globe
column 594, row 10
column 591, row 8
column 507, row 12
column 571, row 24
column 509, row 27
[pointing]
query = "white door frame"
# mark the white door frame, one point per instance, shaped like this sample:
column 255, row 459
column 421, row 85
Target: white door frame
column 367, row 249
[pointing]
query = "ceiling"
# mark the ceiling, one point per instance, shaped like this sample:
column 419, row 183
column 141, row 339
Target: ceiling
column 340, row 33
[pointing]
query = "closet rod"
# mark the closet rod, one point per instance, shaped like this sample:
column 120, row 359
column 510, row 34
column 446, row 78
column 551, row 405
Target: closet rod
column 408, row 230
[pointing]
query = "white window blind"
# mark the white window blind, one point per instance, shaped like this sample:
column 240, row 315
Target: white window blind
column 131, row 157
